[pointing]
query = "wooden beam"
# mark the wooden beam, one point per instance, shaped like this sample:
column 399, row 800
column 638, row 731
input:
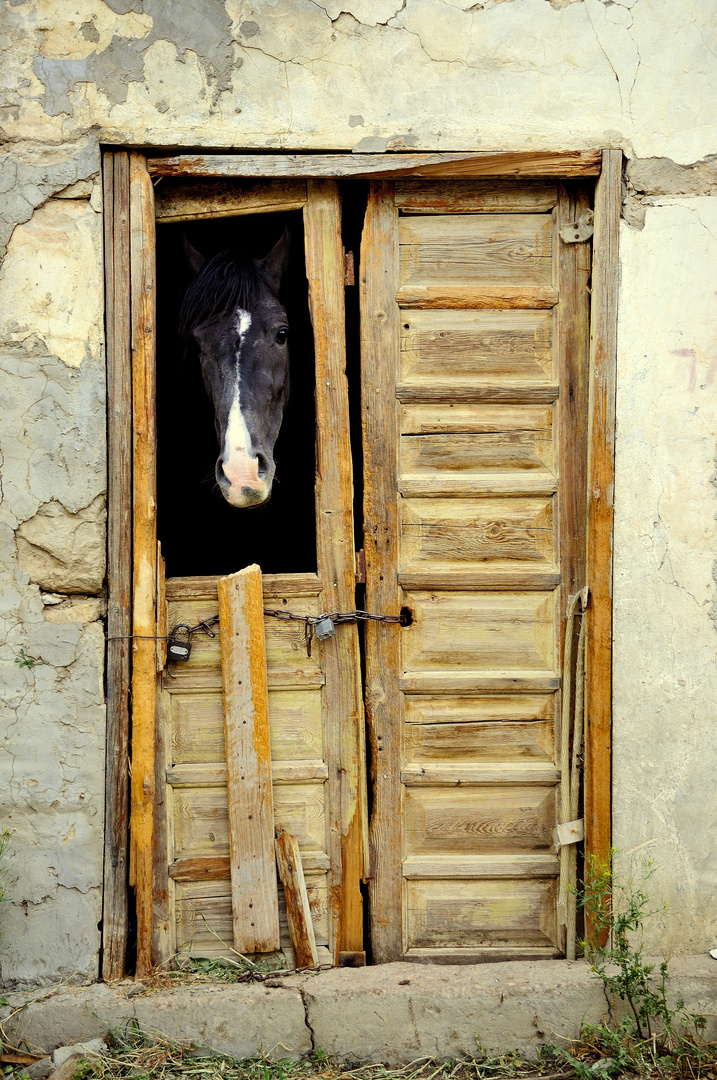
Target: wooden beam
column 298, row 912
column 115, row 174
column 366, row 166
column 601, row 478
column 255, row 905
column 193, row 200
column 344, row 727
column 144, row 652
column 380, row 339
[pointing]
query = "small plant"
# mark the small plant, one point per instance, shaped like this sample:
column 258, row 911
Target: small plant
column 654, row 1039
column 28, row 661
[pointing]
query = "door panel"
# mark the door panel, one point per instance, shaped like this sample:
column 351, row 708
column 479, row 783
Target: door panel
column 474, row 339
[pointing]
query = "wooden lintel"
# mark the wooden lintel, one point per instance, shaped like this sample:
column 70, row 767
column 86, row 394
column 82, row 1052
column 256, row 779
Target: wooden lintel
column 365, row 166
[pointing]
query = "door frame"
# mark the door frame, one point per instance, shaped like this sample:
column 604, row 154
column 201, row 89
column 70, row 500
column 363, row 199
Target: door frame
column 130, row 298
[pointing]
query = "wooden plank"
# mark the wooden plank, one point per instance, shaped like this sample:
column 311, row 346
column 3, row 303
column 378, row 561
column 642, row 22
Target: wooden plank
column 601, row 474
column 472, row 392
column 380, row 364
column 216, row 867
column 500, row 709
column 450, row 295
column 450, row 773
column 449, row 867
column 573, row 322
column 485, row 955
column 115, row 176
column 475, row 196
column 202, row 199
column 467, row 682
column 344, row 724
column 273, row 585
column 528, row 482
column 443, row 578
column 144, row 666
column 476, row 820
column 502, row 346
column 476, row 249
column 255, row 911
column 209, row 775
column 458, row 419
column 298, row 913
column 466, row 742
column 371, row 166
column 462, row 914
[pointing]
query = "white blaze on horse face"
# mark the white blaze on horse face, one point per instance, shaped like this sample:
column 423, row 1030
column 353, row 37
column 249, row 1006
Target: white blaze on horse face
column 239, row 463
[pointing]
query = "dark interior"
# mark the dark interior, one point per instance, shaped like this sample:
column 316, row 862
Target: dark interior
column 199, row 531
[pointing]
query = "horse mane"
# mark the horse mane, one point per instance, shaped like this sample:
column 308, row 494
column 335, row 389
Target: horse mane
column 225, row 282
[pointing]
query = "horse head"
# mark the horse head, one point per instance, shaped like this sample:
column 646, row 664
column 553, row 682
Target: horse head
column 233, row 312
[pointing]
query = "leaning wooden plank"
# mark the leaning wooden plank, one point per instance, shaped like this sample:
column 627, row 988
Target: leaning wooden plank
column 601, row 476
column 298, row 912
column 119, row 562
column 144, row 673
column 255, row 910
column 465, row 165
column 197, row 200
column 344, row 724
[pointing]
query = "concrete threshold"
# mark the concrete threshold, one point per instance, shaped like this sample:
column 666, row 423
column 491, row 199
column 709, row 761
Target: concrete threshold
column 392, row 1013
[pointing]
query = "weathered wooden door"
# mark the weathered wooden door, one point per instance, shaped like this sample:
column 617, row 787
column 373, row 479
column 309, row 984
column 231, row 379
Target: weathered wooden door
column 475, row 399
column 315, row 709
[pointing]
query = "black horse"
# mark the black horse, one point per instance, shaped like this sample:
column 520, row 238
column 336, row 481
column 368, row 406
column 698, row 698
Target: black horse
column 233, row 312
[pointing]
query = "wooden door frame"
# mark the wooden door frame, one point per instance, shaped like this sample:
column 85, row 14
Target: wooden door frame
column 130, row 327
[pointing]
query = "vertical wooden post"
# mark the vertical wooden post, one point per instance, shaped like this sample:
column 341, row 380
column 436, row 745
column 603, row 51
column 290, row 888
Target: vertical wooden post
column 601, row 478
column 344, row 727
column 144, row 653
column 379, row 366
column 115, row 174
column 255, row 907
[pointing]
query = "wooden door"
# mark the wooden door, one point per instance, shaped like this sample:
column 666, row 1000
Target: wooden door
column 315, row 708
column 475, row 398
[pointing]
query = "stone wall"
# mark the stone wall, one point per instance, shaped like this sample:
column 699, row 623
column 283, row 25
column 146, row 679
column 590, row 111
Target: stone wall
column 370, row 75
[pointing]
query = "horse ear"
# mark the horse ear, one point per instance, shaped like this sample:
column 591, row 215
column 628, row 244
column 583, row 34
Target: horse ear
column 194, row 258
column 274, row 265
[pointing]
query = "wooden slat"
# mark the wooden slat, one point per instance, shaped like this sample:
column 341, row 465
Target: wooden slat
column 144, row 675
column 601, row 475
column 255, row 910
column 455, row 774
column 479, row 866
column 470, row 392
column 298, row 913
column 200, row 200
column 273, row 585
column 209, row 775
column 380, row 360
column 467, row 682
column 182, row 678
column 479, row 741
column 451, row 295
column 485, row 955
column 528, row 483
column 216, row 867
column 500, row 709
column 115, row 176
column 461, row 165
column 479, row 578
column 457, row 419
column 335, row 553
column 475, row 196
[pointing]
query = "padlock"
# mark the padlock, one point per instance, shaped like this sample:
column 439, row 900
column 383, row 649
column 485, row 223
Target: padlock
column 178, row 646
column 324, row 628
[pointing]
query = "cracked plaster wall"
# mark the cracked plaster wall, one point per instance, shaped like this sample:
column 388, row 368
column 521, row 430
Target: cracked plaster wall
column 338, row 74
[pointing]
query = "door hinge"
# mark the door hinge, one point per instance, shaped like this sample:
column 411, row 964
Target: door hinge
column 576, row 232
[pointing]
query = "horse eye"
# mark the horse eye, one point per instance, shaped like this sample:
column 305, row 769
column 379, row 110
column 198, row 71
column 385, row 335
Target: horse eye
column 281, row 335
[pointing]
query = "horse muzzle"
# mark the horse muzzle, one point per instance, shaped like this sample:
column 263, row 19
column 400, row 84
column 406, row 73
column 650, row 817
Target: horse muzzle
column 243, row 481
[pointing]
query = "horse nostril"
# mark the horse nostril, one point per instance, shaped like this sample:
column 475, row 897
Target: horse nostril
column 221, row 477
column 263, row 466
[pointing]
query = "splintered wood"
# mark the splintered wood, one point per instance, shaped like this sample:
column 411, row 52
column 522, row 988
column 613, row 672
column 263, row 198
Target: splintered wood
column 298, row 912
column 248, row 771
